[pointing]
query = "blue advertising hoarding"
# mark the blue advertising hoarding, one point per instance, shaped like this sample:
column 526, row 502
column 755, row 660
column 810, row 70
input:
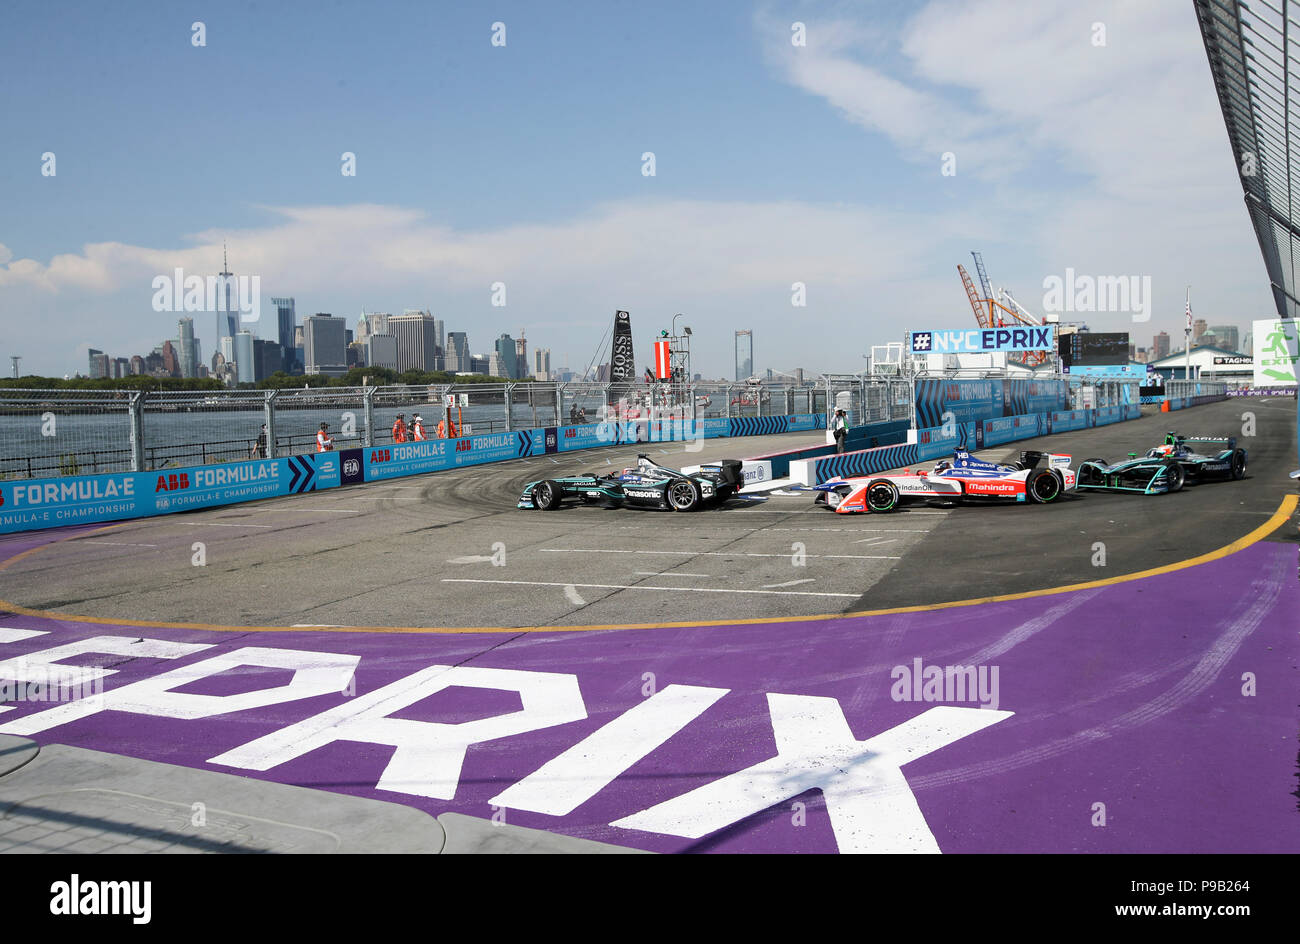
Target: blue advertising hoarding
column 27, row 505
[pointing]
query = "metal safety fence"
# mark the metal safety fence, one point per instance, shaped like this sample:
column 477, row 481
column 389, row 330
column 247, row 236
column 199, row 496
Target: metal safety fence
column 45, row 433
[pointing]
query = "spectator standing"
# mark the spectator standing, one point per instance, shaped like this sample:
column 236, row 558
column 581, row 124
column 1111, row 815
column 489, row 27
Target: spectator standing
column 417, row 428
column 399, row 428
column 259, row 448
column 323, row 441
column 840, row 429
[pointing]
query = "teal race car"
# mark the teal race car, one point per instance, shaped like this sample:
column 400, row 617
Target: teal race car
column 648, row 485
column 1167, row 467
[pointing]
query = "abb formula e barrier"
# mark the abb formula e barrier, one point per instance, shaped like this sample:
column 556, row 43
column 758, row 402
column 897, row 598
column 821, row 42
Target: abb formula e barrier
column 1037, row 477
column 1167, row 467
column 649, row 485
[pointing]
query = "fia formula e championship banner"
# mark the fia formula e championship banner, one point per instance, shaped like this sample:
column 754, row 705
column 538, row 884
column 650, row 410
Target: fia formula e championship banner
column 84, row 499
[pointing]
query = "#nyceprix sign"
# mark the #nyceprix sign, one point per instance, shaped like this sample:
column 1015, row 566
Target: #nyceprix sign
column 984, row 340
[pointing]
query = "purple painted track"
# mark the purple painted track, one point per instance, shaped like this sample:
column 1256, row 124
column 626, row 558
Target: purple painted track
column 1129, row 696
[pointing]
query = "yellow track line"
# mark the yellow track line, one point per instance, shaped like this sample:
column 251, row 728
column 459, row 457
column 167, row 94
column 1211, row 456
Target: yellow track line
column 1278, row 518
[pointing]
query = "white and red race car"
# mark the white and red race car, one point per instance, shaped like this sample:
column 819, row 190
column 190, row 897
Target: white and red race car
column 1037, row 477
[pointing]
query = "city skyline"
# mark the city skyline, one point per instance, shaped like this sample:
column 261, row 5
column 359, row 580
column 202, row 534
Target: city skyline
column 801, row 190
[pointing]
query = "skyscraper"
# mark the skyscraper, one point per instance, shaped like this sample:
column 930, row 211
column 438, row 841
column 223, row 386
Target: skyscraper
column 542, row 363
column 245, row 363
column 417, row 342
column 286, row 320
column 745, row 364
column 94, row 364
column 1160, row 346
column 1198, row 329
column 458, row 355
column 171, row 363
column 521, row 356
column 324, row 345
column 187, row 347
column 507, row 358
column 228, row 296
column 267, row 358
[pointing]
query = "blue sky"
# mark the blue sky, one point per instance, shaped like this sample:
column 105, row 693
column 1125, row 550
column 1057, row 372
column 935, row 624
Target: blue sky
column 522, row 164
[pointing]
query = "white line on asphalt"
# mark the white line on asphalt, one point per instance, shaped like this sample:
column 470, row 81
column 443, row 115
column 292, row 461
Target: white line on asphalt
column 214, row 524
column 118, row 543
column 573, row 596
column 574, row 550
column 471, row 559
column 656, row 573
column 337, row 511
column 616, row 586
column 789, row 583
column 383, row 498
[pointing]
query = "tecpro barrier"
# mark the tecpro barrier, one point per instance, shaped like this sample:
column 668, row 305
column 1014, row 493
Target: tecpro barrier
column 971, row 400
column 937, row 441
column 858, row 438
column 87, row 499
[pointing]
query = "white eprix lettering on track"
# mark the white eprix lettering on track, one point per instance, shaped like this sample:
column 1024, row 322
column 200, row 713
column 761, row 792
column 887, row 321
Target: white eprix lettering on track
column 869, row 802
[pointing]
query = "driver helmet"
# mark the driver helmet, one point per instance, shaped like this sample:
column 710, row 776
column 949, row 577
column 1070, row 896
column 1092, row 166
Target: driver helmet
column 942, row 465
column 1165, row 450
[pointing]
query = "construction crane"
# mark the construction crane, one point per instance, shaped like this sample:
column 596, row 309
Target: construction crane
column 993, row 312
column 976, row 303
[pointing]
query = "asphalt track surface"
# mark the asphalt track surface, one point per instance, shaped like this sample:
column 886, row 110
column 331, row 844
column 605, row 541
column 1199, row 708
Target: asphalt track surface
column 451, row 550
column 1151, row 714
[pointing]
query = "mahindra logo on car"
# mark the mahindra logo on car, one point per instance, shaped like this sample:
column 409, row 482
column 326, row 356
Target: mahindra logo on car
column 1005, row 487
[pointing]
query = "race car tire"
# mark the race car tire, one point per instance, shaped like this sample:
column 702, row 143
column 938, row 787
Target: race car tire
column 1043, row 487
column 1239, row 464
column 1177, row 476
column 683, row 495
column 882, row 496
column 547, row 495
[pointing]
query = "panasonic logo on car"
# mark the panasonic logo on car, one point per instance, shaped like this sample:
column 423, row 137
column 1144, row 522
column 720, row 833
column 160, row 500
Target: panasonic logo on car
column 641, row 493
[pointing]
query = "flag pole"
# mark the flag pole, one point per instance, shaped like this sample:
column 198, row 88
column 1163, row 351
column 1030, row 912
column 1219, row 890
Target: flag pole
column 1187, row 331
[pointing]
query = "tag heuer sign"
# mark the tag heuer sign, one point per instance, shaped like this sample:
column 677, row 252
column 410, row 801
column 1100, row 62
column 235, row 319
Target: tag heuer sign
column 1234, row 360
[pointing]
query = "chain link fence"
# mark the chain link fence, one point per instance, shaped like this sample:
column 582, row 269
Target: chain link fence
column 69, row 432
column 49, row 433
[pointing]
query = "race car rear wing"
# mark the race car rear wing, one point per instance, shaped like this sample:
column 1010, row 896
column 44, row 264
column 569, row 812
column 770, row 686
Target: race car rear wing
column 1172, row 439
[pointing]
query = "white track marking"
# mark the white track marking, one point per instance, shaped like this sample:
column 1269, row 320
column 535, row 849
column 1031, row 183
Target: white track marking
column 117, row 543
column 875, row 541
column 213, row 524
column 337, row 511
column 566, row 550
column 789, row 583
column 656, row 573
column 618, row 586
column 382, row 498
column 570, row 593
column 471, row 559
